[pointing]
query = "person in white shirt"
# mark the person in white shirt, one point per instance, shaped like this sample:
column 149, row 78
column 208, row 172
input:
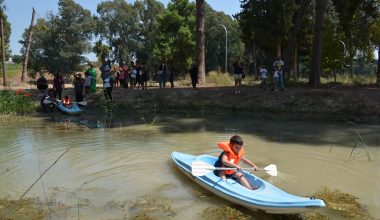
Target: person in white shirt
column 263, row 73
column 87, row 83
column 278, row 66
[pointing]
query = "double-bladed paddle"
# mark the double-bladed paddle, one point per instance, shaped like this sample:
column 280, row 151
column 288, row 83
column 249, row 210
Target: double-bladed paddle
column 200, row 168
column 47, row 101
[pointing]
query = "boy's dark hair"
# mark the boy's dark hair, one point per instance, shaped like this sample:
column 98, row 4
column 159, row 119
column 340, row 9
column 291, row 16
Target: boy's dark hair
column 236, row 139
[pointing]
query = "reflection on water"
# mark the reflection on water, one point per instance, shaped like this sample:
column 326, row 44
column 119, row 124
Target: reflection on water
column 118, row 168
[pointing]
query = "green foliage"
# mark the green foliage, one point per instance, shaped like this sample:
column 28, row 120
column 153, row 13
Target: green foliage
column 129, row 29
column 7, row 30
column 148, row 11
column 267, row 22
column 17, row 59
column 220, row 79
column 176, row 36
column 118, row 24
column 12, row 70
column 333, row 51
column 60, row 40
column 355, row 18
column 16, row 102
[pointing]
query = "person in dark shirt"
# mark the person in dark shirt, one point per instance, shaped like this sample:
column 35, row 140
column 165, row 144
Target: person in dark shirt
column 78, row 87
column 58, row 85
column 194, row 75
column 42, row 84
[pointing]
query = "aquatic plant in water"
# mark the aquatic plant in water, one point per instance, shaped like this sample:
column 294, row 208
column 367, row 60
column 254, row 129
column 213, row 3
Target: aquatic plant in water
column 359, row 141
column 224, row 212
column 345, row 203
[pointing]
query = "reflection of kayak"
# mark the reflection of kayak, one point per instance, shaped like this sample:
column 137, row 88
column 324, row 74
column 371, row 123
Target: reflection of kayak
column 71, row 110
column 267, row 198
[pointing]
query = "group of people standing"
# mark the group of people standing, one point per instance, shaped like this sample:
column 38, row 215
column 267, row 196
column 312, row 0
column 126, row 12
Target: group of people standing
column 133, row 76
column 278, row 75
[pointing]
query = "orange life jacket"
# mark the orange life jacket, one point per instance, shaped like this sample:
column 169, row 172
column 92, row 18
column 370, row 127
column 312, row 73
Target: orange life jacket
column 66, row 102
column 232, row 157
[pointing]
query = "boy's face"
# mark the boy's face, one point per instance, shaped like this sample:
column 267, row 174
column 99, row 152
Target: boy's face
column 236, row 148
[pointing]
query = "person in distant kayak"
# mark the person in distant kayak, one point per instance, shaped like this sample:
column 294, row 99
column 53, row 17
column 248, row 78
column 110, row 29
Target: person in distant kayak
column 67, row 102
column 233, row 152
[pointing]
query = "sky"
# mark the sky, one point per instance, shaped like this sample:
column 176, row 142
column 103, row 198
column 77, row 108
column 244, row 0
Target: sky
column 19, row 13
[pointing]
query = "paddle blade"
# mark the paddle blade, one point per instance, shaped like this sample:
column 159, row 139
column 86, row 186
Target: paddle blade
column 199, row 168
column 47, row 101
column 82, row 103
column 271, row 169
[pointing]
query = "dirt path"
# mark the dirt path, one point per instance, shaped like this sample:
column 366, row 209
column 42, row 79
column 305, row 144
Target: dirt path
column 338, row 103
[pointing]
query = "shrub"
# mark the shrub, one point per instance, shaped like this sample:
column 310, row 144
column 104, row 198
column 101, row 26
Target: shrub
column 16, row 102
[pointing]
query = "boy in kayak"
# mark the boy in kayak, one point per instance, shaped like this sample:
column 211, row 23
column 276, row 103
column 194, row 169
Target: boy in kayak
column 67, row 102
column 233, row 152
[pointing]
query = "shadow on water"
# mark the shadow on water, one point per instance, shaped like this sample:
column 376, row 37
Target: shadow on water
column 277, row 130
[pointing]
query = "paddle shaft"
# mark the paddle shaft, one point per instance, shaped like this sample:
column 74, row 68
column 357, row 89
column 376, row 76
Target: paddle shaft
column 227, row 168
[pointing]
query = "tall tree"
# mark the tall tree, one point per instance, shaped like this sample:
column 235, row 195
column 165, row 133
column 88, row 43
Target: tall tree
column 118, row 25
column 200, row 40
column 175, row 42
column 354, row 19
column 61, row 40
column 215, row 39
column 6, row 36
column 375, row 37
column 27, row 48
column 267, row 22
column 320, row 8
column 300, row 17
column 148, row 11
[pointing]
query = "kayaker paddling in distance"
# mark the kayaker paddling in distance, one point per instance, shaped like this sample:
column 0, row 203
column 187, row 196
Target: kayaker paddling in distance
column 233, row 152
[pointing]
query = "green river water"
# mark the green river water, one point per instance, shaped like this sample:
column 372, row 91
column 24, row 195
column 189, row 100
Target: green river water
column 112, row 173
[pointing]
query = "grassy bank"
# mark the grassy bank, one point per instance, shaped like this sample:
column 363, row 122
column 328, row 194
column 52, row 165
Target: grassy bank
column 17, row 102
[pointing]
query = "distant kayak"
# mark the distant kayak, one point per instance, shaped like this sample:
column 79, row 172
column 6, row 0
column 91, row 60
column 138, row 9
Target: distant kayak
column 267, row 197
column 49, row 103
column 73, row 109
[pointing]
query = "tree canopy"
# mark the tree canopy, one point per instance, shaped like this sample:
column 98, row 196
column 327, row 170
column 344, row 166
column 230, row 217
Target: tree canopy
column 61, row 40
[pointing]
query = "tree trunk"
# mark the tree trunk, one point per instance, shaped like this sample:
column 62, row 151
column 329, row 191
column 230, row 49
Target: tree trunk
column 27, row 49
column 378, row 65
column 3, row 50
column 278, row 50
column 301, row 12
column 200, row 41
column 295, row 63
column 315, row 76
column 254, row 60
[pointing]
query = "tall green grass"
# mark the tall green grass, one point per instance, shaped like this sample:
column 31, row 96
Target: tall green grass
column 11, row 70
column 344, row 80
column 16, row 102
column 220, row 79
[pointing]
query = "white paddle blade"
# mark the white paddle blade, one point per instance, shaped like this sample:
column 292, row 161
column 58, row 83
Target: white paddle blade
column 199, row 168
column 271, row 169
column 82, row 103
column 47, row 101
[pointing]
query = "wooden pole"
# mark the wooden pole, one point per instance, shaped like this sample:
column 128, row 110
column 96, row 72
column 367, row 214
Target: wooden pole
column 3, row 50
column 27, row 48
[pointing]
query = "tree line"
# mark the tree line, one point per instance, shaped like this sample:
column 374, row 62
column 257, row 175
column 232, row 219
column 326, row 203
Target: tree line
column 314, row 37
column 322, row 35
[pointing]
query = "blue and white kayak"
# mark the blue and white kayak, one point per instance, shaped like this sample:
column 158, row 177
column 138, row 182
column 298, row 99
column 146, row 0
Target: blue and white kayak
column 267, row 197
column 72, row 110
